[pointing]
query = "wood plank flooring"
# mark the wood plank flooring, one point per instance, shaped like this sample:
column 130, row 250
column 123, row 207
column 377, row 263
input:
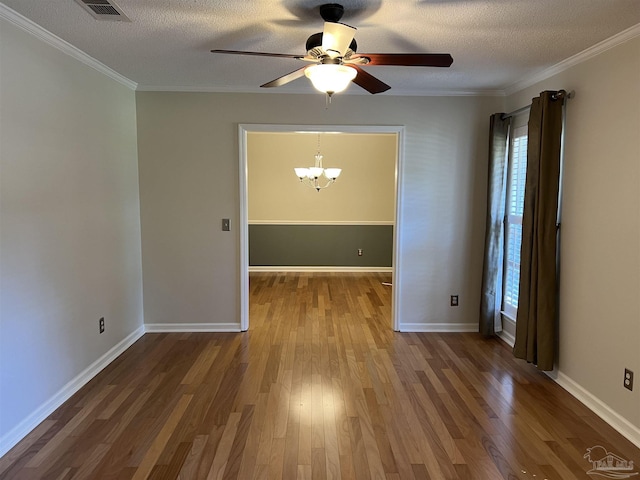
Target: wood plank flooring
column 319, row 388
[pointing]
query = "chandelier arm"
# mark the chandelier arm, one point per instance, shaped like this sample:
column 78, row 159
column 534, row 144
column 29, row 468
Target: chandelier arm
column 315, row 184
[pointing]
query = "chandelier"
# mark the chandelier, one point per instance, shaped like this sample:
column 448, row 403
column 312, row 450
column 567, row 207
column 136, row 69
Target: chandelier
column 312, row 175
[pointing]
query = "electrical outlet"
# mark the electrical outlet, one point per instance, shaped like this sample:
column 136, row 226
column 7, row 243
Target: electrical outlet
column 628, row 379
column 454, row 300
column 359, row 252
column 101, row 324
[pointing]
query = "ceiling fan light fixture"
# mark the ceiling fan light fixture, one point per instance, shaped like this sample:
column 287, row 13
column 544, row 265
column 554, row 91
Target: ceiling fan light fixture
column 334, row 51
column 330, row 78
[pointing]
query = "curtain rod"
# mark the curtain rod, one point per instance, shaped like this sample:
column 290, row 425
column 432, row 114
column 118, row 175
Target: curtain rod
column 556, row 96
column 515, row 112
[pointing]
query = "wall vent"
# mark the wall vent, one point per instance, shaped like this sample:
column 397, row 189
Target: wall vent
column 104, row 10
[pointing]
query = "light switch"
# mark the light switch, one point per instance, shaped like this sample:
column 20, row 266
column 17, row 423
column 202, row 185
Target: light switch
column 226, row 225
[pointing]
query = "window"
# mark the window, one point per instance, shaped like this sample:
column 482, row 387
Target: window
column 517, row 173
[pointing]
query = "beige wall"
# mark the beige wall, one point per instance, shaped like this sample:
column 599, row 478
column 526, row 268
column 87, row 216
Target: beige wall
column 600, row 254
column 188, row 159
column 69, row 223
column 364, row 192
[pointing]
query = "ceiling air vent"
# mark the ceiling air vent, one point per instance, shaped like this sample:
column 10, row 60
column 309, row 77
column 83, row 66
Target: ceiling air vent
column 104, row 10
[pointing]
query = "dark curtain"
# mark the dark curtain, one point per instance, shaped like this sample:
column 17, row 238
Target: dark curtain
column 537, row 316
column 490, row 303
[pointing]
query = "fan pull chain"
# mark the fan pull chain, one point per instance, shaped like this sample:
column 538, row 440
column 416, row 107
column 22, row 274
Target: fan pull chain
column 327, row 101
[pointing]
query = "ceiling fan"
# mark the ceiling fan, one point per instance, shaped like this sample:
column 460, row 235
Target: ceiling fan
column 333, row 51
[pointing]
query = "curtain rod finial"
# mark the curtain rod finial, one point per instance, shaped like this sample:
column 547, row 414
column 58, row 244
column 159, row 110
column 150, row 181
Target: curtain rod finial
column 563, row 93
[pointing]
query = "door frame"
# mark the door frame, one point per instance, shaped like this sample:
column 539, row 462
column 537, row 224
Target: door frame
column 243, row 131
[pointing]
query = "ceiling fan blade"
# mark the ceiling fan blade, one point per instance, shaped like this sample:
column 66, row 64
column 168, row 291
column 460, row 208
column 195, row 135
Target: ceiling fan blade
column 367, row 81
column 407, row 59
column 336, row 38
column 259, row 54
column 289, row 77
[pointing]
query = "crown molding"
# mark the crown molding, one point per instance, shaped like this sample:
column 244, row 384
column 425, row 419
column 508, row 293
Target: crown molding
column 583, row 56
column 65, row 47
column 30, row 27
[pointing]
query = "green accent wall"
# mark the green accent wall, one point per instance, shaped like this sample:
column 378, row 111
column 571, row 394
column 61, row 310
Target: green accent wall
column 320, row 245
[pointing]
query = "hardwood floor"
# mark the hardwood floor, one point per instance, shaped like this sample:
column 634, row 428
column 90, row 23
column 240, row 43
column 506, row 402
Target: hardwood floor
column 320, row 387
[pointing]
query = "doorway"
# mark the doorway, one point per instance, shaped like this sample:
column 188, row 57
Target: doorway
column 245, row 130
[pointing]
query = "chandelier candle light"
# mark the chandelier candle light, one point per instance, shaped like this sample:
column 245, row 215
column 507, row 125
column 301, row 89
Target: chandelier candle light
column 311, row 175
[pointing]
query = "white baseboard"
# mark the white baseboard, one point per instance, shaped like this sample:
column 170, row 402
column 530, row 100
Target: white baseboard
column 321, row 222
column 303, row 269
column 593, row 403
column 619, row 423
column 605, row 412
column 8, row 441
column 11, row 438
column 439, row 327
column 507, row 338
column 191, row 327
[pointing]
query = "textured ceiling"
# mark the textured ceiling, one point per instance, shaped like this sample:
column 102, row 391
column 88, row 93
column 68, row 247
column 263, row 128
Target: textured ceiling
column 494, row 43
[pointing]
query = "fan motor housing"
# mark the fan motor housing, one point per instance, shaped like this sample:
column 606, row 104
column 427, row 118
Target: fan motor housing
column 331, row 12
